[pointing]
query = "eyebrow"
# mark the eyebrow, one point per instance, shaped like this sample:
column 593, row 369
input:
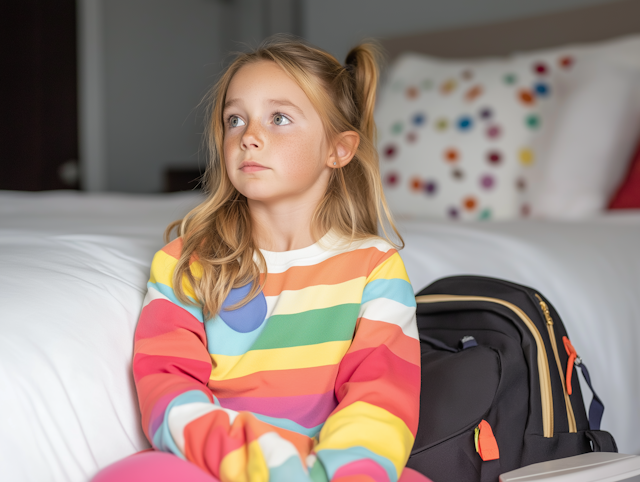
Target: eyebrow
column 231, row 103
column 283, row 102
column 287, row 103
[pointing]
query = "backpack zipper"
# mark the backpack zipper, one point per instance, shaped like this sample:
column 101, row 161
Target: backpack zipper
column 567, row 401
column 546, row 396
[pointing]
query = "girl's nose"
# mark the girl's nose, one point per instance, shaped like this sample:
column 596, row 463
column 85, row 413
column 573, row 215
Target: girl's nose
column 252, row 138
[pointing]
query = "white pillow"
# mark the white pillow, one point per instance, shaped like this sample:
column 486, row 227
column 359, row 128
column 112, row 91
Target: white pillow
column 460, row 139
column 596, row 127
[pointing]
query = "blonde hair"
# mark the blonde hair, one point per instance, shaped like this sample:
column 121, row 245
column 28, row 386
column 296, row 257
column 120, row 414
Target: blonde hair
column 218, row 233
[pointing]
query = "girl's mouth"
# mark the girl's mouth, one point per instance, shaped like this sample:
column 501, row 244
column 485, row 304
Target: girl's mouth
column 250, row 166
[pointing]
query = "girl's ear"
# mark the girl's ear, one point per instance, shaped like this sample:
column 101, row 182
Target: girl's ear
column 345, row 146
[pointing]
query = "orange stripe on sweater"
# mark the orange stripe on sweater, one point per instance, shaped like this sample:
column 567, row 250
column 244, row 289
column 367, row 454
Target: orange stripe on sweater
column 278, row 383
column 174, row 248
column 373, row 333
column 178, row 343
column 337, row 269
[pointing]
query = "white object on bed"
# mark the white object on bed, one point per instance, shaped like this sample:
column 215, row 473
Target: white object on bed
column 74, row 271
column 593, row 467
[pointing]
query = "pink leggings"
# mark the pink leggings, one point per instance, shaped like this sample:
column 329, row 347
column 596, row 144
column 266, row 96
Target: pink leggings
column 154, row 466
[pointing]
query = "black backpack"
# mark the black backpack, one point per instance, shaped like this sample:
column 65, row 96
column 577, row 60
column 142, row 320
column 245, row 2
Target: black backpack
column 495, row 357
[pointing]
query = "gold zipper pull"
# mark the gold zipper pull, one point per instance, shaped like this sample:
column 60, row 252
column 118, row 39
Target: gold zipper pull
column 545, row 310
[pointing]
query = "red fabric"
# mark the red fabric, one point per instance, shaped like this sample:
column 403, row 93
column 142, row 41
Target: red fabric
column 628, row 194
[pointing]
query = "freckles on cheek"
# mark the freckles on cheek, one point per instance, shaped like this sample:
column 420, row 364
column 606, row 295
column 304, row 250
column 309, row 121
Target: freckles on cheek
column 300, row 157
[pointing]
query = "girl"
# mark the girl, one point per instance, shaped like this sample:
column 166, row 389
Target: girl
column 278, row 338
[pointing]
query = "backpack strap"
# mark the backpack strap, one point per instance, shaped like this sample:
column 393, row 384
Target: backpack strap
column 596, row 409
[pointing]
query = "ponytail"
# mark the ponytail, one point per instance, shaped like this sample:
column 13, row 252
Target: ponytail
column 363, row 64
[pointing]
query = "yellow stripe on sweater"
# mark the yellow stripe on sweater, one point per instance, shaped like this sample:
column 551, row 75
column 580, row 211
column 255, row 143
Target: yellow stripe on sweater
column 363, row 424
column 226, row 367
column 319, row 297
column 391, row 268
column 162, row 268
column 235, row 467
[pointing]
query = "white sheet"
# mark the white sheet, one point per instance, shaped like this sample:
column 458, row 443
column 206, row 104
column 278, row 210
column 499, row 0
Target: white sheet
column 73, row 269
column 73, row 273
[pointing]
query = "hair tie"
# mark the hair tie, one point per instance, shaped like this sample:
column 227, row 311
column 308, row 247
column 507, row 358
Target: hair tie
column 350, row 68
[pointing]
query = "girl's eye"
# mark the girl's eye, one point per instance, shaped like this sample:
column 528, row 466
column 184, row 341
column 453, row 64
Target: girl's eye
column 235, row 121
column 280, row 120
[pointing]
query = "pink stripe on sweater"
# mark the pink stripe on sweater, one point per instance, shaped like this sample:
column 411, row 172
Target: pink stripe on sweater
column 306, row 410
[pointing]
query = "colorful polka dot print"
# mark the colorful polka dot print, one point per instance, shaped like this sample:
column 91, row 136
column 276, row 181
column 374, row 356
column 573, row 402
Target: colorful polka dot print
column 412, row 92
column 473, row 93
column 451, row 155
column 510, row 79
column 541, row 89
column 390, row 151
column 494, row 157
column 533, row 121
column 487, row 181
column 526, row 97
column 391, row 178
column 485, row 113
column 526, row 156
column 448, row 86
column 457, row 174
column 419, row 119
column 442, row 124
column 465, row 123
column 540, row 68
column 430, row 187
column 565, row 62
column 470, row 203
column 458, row 140
column 493, row 132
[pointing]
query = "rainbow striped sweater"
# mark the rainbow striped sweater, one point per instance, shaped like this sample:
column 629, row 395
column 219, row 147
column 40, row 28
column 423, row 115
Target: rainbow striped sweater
column 315, row 379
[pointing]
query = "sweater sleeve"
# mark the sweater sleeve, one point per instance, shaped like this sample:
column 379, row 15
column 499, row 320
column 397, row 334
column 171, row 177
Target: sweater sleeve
column 180, row 414
column 370, row 433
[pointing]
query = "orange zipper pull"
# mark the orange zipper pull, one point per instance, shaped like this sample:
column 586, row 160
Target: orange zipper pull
column 486, row 444
column 571, row 351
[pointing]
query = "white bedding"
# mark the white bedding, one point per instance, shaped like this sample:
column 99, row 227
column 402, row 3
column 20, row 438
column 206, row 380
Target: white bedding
column 73, row 269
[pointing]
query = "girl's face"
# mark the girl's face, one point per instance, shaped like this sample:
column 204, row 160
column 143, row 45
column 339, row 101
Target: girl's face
column 274, row 143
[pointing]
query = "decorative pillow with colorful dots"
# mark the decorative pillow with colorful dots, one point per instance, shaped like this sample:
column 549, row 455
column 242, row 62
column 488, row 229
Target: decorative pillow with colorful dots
column 460, row 140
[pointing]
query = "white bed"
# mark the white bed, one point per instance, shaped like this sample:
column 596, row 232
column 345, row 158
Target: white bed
column 73, row 273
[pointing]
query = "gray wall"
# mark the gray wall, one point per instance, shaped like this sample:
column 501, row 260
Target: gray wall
column 161, row 56
column 336, row 25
